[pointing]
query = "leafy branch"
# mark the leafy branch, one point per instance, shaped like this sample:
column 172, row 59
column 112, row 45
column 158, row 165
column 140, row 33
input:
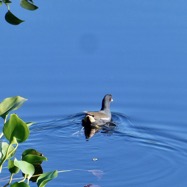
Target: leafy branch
column 16, row 131
column 10, row 17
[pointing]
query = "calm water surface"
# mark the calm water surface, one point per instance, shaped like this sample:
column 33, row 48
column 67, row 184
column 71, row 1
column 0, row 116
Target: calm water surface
column 71, row 58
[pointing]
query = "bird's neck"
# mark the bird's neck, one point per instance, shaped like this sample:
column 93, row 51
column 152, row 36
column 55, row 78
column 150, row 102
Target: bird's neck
column 105, row 106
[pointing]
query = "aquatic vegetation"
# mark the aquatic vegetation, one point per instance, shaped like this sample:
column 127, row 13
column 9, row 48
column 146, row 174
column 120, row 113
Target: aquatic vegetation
column 10, row 17
column 14, row 132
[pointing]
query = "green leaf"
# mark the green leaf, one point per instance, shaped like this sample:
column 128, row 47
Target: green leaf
column 28, row 5
column 12, row 168
column 32, row 156
column 3, row 150
column 19, row 184
column 12, row 19
column 9, row 104
column 1, row 3
column 25, row 167
column 46, row 177
column 7, row 1
column 31, row 151
column 6, row 152
column 34, row 159
column 15, row 128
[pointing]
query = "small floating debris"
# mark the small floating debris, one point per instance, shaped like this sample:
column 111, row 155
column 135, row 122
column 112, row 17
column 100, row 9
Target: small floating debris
column 95, row 159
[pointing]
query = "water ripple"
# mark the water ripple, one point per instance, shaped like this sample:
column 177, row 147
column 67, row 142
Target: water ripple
column 143, row 146
column 156, row 138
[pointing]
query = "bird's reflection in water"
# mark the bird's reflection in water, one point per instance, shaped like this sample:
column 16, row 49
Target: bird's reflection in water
column 92, row 126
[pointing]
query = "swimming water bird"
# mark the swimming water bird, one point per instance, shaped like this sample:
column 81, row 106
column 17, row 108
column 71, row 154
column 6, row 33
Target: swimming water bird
column 104, row 115
column 93, row 121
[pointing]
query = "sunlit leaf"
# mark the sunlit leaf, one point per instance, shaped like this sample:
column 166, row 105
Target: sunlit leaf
column 25, row 167
column 9, row 104
column 12, row 19
column 12, row 168
column 3, row 150
column 36, row 158
column 16, row 128
column 19, row 184
column 28, row 5
column 46, row 177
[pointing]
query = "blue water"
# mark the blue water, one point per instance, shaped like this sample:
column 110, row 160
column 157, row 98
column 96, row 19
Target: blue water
column 65, row 58
column 130, row 154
